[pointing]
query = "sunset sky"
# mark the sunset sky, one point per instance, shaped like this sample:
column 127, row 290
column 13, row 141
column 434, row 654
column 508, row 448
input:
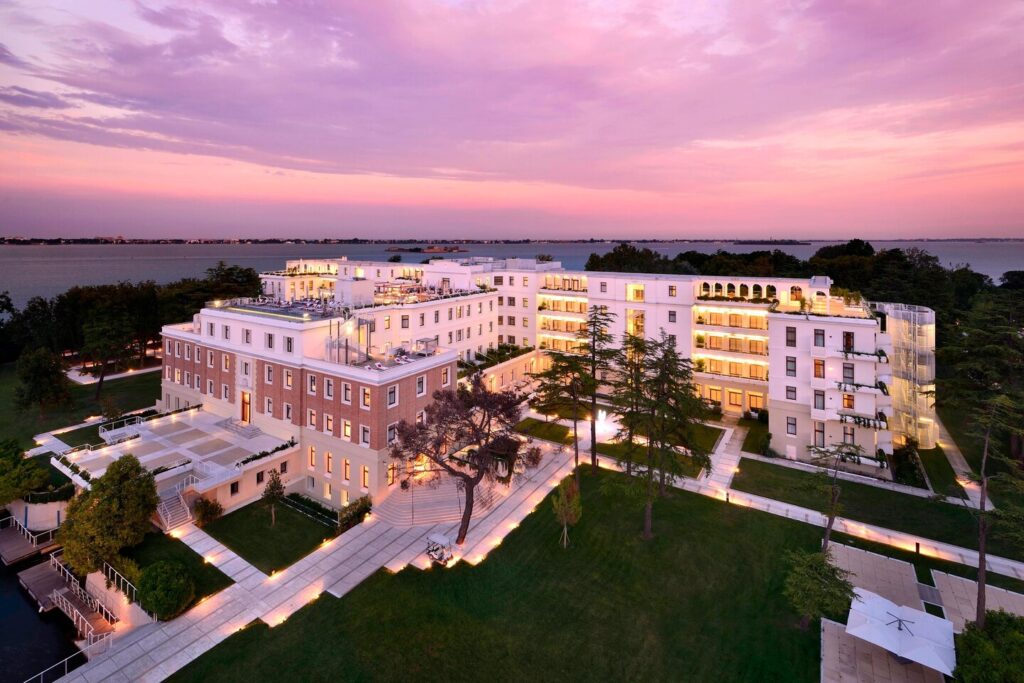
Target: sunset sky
column 512, row 118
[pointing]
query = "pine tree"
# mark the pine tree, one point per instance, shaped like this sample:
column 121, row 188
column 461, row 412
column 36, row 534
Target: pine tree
column 598, row 355
column 273, row 493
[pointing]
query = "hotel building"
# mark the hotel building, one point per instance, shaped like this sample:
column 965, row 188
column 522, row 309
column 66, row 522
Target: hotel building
column 336, row 352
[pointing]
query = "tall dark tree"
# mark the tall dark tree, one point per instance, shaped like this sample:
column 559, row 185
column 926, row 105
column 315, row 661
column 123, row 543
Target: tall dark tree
column 273, row 494
column 18, row 475
column 562, row 387
column 41, row 380
column 598, row 353
column 467, row 433
column 987, row 351
column 107, row 338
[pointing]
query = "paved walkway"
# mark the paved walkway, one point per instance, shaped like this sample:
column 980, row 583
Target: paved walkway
column 78, row 377
column 726, row 458
column 155, row 651
column 960, row 598
column 845, row 659
column 964, row 473
column 893, row 579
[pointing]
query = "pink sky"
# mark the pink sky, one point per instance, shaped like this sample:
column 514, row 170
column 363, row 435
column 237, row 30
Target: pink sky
column 512, row 118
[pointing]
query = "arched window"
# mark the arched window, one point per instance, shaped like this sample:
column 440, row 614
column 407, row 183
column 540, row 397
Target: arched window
column 757, row 292
column 770, row 292
column 795, row 293
column 730, row 290
column 744, row 291
column 705, row 289
column 718, row 289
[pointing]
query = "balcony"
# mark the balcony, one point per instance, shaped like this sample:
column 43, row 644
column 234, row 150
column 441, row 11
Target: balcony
column 564, row 291
column 851, row 387
column 878, row 422
column 878, row 355
column 703, row 321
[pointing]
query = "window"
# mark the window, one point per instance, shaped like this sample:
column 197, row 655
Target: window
column 209, row 329
column 364, row 401
column 364, row 435
column 715, row 395
column 287, row 379
column 848, row 373
column 328, row 388
column 327, row 490
column 269, row 340
column 284, row 467
column 247, row 339
column 259, row 477
column 819, row 400
column 288, row 411
column 421, row 385
column 289, row 344
column 209, row 386
column 245, row 368
column 329, row 461
column 329, row 424
column 849, row 436
column 848, row 401
column 791, row 425
column 671, row 290
column 790, row 393
column 819, row 434
column 311, row 418
column 346, row 470
column 346, row 393
column 346, row 429
column 819, row 368
column 226, row 362
column 226, row 332
column 392, row 474
column 604, row 287
column 310, row 483
column 268, row 374
column 790, row 336
column 312, row 457
column 848, row 341
column 392, row 396
column 445, row 376
column 819, row 337
column 421, row 417
column 392, row 432
column 365, row 481
column 311, row 388
column 735, row 398
column 405, row 322
column 756, row 401
column 234, row 488
column 209, row 359
column 671, row 316
column 188, row 352
column 790, row 366
column 225, row 393
column 268, row 406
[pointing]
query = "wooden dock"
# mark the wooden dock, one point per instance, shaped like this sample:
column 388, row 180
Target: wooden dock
column 40, row 581
column 15, row 546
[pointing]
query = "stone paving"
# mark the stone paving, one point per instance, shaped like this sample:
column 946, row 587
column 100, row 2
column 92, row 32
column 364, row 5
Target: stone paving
column 155, row 651
column 960, row 598
column 845, row 659
column 894, row 580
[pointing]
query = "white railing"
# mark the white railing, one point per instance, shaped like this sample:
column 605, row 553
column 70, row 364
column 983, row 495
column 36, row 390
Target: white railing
column 34, row 538
column 118, row 580
column 124, row 424
column 190, row 480
column 82, row 625
column 97, row 645
column 85, row 596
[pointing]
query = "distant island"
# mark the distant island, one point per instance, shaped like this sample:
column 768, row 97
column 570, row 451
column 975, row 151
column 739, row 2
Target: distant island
column 428, row 250
column 769, row 243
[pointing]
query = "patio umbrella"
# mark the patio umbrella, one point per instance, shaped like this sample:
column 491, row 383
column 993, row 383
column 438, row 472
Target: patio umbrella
column 906, row 632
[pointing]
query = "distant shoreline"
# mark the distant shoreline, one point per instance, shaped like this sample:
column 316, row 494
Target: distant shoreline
column 104, row 241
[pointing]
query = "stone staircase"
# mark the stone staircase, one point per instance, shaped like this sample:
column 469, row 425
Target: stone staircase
column 246, row 431
column 171, row 510
column 439, row 501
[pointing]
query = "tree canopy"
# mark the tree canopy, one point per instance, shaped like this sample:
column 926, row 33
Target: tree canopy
column 18, row 475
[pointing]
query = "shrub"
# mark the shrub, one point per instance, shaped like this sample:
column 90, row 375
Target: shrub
column 354, row 513
column 128, row 568
column 762, row 416
column 166, row 589
column 995, row 653
column 205, row 511
column 532, row 456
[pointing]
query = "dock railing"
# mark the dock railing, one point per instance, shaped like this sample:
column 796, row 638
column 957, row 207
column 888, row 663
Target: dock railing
column 35, row 538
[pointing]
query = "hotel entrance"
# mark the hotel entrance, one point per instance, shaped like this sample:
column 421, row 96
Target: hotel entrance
column 246, row 407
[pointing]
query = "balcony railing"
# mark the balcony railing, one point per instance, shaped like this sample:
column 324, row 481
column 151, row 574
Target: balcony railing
column 879, row 354
column 849, row 387
column 880, row 422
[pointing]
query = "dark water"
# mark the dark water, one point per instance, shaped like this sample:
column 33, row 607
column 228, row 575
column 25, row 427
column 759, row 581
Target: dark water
column 29, row 641
column 27, row 271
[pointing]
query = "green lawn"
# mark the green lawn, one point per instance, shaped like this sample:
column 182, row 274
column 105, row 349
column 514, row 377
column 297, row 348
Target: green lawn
column 128, row 393
column 757, row 431
column 549, row 431
column 248, row 532
column 702, row 601
column 158, row 546
column 940, row 472
column 54, row 477
column 619, row 451
column 938, row 521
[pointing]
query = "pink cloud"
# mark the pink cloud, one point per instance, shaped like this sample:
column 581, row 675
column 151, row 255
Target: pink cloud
column 665, row 110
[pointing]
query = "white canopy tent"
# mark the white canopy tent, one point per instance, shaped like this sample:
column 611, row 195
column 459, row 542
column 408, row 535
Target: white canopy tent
column 906, row 632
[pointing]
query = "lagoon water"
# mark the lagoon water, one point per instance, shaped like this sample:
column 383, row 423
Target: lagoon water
column 41, row 270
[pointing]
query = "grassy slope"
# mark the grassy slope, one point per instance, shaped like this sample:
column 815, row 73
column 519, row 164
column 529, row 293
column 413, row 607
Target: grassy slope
column 940, row 472
column 248, row 532
column 864, row 503
column 755, row 431
column 157, row 547
column 550, row 431
column 702, row 601
column 619, row 451
column 128, row 393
